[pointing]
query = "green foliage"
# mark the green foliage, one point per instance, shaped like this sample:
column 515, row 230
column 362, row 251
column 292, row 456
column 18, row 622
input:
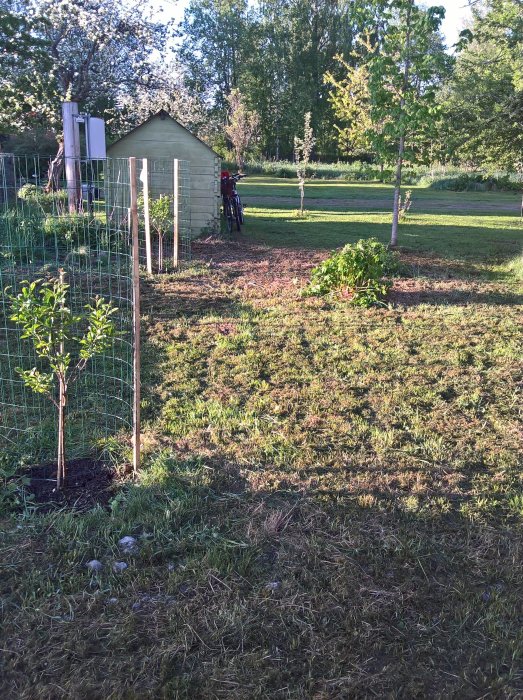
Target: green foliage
column 359, row 269
column 79, row 228
column 47, row 201
column 11, row 485
column 20, row 230
column 160, row 212
column 40, row 308
column 474, row 182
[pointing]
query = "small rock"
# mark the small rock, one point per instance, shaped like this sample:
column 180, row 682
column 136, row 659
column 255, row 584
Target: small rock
column 119, row 566
column 171, row 567
column 136, row 606
column 128, row 544
column 487, row 595
column 94, row 565
column 273, row 585
column 112, row 601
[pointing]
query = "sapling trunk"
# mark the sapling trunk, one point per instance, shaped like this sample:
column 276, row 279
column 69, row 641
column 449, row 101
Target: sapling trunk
column 302, row 195
column 160, row 252
column 397, row 193
column 62, row 401
column 401, row 145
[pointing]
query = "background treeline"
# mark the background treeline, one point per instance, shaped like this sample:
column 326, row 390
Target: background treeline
column 285, row 57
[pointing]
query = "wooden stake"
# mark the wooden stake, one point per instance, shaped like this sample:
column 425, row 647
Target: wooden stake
column 176, row 209
column 136, row 315
column 147, row 221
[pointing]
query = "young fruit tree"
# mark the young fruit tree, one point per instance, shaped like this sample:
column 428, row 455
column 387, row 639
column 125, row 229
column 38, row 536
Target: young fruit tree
column 41, row 310
column 161, row 219
column 242, row 127
column 302, row 154
column 403, row 59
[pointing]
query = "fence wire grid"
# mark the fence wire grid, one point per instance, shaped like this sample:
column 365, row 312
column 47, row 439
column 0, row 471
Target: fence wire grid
column 41, row 233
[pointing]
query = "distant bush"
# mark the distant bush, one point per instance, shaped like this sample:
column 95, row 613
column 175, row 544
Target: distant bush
column 360, row 270
column 439, row 177
column 473, row 182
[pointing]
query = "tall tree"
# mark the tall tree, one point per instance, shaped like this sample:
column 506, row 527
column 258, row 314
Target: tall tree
column 96, row 51
column 24, row 68
column 242, row 126
column 405, row 68
column 483, row 103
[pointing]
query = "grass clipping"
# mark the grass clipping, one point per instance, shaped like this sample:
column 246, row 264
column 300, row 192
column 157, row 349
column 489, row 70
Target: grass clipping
column 360, row 271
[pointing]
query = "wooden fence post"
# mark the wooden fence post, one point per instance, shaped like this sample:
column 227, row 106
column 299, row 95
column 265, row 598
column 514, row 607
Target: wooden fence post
column 136, row 314
column 176, row 210
column 147, row 221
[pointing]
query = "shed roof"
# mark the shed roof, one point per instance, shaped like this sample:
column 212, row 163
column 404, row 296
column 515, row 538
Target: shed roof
column 162, row 114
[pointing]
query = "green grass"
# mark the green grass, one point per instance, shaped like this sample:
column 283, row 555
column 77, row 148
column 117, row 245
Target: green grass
column 331, row 504
column 447, row 224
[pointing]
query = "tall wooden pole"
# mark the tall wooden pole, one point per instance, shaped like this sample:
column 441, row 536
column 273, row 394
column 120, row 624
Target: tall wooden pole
column 176, row 212
column 72, row 155
column 147, row 221
column 136, row 314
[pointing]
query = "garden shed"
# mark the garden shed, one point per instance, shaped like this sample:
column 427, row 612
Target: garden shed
column 161, row 139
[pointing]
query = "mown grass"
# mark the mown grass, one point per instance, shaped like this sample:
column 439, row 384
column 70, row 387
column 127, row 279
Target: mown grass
column 480, row 229
column 331, row 501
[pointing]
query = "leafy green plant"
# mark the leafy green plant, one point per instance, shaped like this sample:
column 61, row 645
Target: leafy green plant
column 161, row 219
column 12, row 484
column 360, row 270
column 47, row 201
column 73, row 228
column 41, row 310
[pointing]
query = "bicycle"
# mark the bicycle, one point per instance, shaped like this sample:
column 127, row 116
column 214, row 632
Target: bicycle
column 232, row 207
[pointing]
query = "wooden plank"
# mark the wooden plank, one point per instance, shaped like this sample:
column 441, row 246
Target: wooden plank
column 176, row 208
column 136, row 314
column 146, row 216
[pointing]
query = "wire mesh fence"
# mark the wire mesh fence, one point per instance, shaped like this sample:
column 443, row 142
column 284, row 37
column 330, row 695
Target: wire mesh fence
column 42, row 230
column 166, row 216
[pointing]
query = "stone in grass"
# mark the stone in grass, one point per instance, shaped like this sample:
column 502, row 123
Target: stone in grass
column 94, row 565
column 273, row 585
column 119, row 566
column 128, row 544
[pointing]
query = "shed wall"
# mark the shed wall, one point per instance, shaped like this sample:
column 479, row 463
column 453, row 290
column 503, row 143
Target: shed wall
column 164, row 139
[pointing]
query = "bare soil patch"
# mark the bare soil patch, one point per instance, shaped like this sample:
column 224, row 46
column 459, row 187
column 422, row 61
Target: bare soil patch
column 88, row 483
column 258, row 270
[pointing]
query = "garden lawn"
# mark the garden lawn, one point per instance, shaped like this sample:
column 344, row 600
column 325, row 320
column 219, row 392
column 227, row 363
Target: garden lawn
column 331, row 501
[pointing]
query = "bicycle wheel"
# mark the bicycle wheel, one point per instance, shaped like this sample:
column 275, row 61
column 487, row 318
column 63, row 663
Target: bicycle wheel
column 237, row 213
column 240, row 210
column 228, row 214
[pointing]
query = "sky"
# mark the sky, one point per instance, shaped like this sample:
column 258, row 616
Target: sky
column 457, row 13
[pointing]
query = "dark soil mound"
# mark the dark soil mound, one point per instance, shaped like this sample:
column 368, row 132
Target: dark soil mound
column 87, row 483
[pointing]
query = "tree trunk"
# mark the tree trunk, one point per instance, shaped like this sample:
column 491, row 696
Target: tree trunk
column 401, row 146
column 397, row 193
column 55, row 171
column 60, row 470
column 302, row 196
column 382, row 167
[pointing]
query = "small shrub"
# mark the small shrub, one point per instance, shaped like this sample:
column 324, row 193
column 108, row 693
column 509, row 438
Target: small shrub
column 405, row 204
column 47, row 201
column 20, row 232
column 80, row 228
column 360, row 269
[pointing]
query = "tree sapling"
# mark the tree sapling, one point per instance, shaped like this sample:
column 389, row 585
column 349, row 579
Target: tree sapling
column 41, row 310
